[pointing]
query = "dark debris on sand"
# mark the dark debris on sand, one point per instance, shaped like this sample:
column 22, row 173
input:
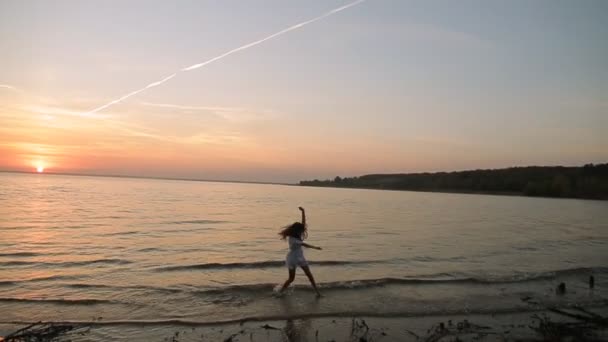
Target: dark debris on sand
column 587, row 326
column 552, row 324
column 362, row 332
column 44, row 332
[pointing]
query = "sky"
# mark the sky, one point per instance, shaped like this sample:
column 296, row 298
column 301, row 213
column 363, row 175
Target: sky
column 383, row 86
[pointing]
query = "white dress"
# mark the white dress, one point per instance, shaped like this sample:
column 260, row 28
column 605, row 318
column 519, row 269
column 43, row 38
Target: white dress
column 295, row 256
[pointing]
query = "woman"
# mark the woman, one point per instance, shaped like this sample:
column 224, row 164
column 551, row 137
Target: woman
column 295, row 234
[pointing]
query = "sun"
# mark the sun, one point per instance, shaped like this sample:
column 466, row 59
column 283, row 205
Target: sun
column 39, row 165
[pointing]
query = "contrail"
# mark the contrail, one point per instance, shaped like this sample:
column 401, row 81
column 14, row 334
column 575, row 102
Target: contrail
column 241, row 48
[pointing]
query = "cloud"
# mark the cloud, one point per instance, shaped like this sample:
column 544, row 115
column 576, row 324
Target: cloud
column 234, row 114
column 54, row 110
column 11, row 88
column 51, row 119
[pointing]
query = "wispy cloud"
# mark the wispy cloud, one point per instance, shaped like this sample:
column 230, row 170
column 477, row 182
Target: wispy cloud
column 32, row 124
column 35, row 148
column 234, row 114
column 182, row 107
column 240, row 48
column 11, row 88
column 201, row 138
column 55, row 110
column 48, row 106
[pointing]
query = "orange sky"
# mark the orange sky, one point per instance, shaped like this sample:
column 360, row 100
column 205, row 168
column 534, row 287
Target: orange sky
column 371, row 89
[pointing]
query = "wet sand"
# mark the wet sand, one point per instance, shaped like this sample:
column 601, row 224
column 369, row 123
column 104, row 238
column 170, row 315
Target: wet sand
column 571, row 324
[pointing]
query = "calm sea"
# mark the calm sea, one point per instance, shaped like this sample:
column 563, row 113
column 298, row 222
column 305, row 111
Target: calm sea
column 79, row 248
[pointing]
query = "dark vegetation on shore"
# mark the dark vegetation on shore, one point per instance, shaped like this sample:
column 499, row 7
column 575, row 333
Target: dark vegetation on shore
column 588, row 181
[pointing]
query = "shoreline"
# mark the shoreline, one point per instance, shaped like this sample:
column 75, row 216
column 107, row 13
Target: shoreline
column 456, row 192
column 575, row 323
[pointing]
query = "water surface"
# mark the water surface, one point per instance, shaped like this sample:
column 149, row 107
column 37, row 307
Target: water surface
column 78, row 248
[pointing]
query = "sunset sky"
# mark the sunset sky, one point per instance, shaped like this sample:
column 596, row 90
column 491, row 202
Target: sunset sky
column 383, row 86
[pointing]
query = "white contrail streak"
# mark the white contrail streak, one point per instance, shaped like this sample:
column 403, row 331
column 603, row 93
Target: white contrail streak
column 8, row 87
column 244, row 47
column 122, row 98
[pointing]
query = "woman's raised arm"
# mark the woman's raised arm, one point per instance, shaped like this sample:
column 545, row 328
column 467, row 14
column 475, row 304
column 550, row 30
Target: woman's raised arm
column 303, row 215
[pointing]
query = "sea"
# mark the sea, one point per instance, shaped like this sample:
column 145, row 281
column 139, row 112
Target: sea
column 148, row 251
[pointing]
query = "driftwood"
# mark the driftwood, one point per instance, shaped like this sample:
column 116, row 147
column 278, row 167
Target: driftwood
column 564, row 331
column 588, row 317
column 40, row 332
column 269, row 327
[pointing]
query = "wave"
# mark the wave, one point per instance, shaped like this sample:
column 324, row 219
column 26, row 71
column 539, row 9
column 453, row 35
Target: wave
column 577, row 270
column 309, row 315
column 17, row 263
column 339, row 285
column 20, row 254
column 66, row 263
column 442, row 278
column 121, row 288
column 281, row 263
column 347, row 285
column 268, row 287
column 18, row 227
column 261, row 264
column 434, row 259
column 195, row 222
column 39, row 279
column 52, row 278
column 151, row 249
column 262, row 287
column 131, row 232
column 59, row 301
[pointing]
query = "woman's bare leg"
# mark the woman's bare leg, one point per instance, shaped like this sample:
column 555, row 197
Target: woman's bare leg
column 292, row 276
column 312, row 279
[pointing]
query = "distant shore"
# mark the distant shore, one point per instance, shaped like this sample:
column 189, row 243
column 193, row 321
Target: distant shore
column 456, row 192
column 586, row 182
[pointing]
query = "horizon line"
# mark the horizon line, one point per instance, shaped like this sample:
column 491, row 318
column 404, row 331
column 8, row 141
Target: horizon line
column 147, row 177
column 270, row 182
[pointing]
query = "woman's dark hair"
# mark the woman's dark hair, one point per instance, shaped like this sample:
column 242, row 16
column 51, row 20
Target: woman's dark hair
column 296, row 229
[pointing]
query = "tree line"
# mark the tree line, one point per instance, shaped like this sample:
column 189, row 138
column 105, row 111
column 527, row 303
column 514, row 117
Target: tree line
column 588, row 181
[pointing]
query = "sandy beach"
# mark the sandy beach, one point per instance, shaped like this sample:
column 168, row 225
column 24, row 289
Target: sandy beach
column 563, row 324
